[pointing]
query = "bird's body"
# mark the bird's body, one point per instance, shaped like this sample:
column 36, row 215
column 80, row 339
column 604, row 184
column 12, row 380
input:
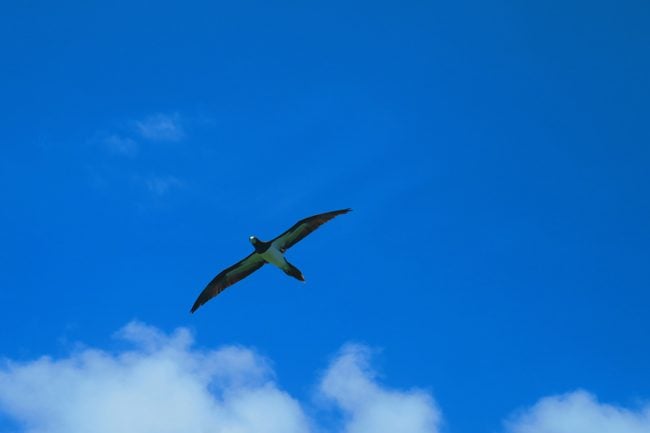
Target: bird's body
column 273, row 256
column 266, row 252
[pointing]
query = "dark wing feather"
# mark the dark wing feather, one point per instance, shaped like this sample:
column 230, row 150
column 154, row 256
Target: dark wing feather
column 303, row 227
column 228, row 277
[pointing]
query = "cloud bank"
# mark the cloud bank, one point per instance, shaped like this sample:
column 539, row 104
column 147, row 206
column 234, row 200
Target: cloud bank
column 164, row 385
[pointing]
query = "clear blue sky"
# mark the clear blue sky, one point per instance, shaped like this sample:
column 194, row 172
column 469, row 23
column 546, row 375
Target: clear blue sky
column 496, row 156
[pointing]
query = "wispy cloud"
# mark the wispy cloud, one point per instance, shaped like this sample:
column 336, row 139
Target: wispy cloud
column 121, row 145
column 165, row 385
column 127, row 139
column 161, row 127
column 136, row 142
column 579, row 412
column 159, row 185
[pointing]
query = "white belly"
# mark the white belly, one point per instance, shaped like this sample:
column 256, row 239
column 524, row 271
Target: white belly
column 275, row 257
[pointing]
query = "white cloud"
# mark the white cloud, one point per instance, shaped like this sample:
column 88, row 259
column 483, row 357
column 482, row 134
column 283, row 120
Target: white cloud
column 579, row 412
column 164, row 385
column 161, row 127
column 370, row 408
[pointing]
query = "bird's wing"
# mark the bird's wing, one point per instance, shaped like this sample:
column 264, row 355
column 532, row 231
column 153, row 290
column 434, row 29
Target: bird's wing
column 228, row 277
column 303, row 227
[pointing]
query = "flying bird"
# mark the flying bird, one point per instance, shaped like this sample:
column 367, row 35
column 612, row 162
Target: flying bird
column 266, row 252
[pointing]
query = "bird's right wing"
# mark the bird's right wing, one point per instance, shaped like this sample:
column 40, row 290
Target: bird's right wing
column 228, row 277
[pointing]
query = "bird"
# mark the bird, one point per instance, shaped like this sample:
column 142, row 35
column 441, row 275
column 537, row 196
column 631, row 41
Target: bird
column 266, row 252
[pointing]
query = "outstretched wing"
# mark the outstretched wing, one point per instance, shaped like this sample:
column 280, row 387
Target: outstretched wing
column 228, row 277
column 303, row 227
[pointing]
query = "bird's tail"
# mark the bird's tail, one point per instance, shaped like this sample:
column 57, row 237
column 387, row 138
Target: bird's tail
column 294, row 272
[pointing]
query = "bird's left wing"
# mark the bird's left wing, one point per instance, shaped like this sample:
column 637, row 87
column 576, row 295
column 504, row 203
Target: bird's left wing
column 228, row 277
column 304, row 227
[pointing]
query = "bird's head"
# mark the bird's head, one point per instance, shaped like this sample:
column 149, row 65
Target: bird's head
column 253, row 240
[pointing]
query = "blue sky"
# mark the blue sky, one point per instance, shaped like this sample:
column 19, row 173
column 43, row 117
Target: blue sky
column 495, row 154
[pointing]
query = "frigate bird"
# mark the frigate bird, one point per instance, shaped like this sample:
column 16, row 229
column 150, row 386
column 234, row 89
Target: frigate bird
column 266, row 252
